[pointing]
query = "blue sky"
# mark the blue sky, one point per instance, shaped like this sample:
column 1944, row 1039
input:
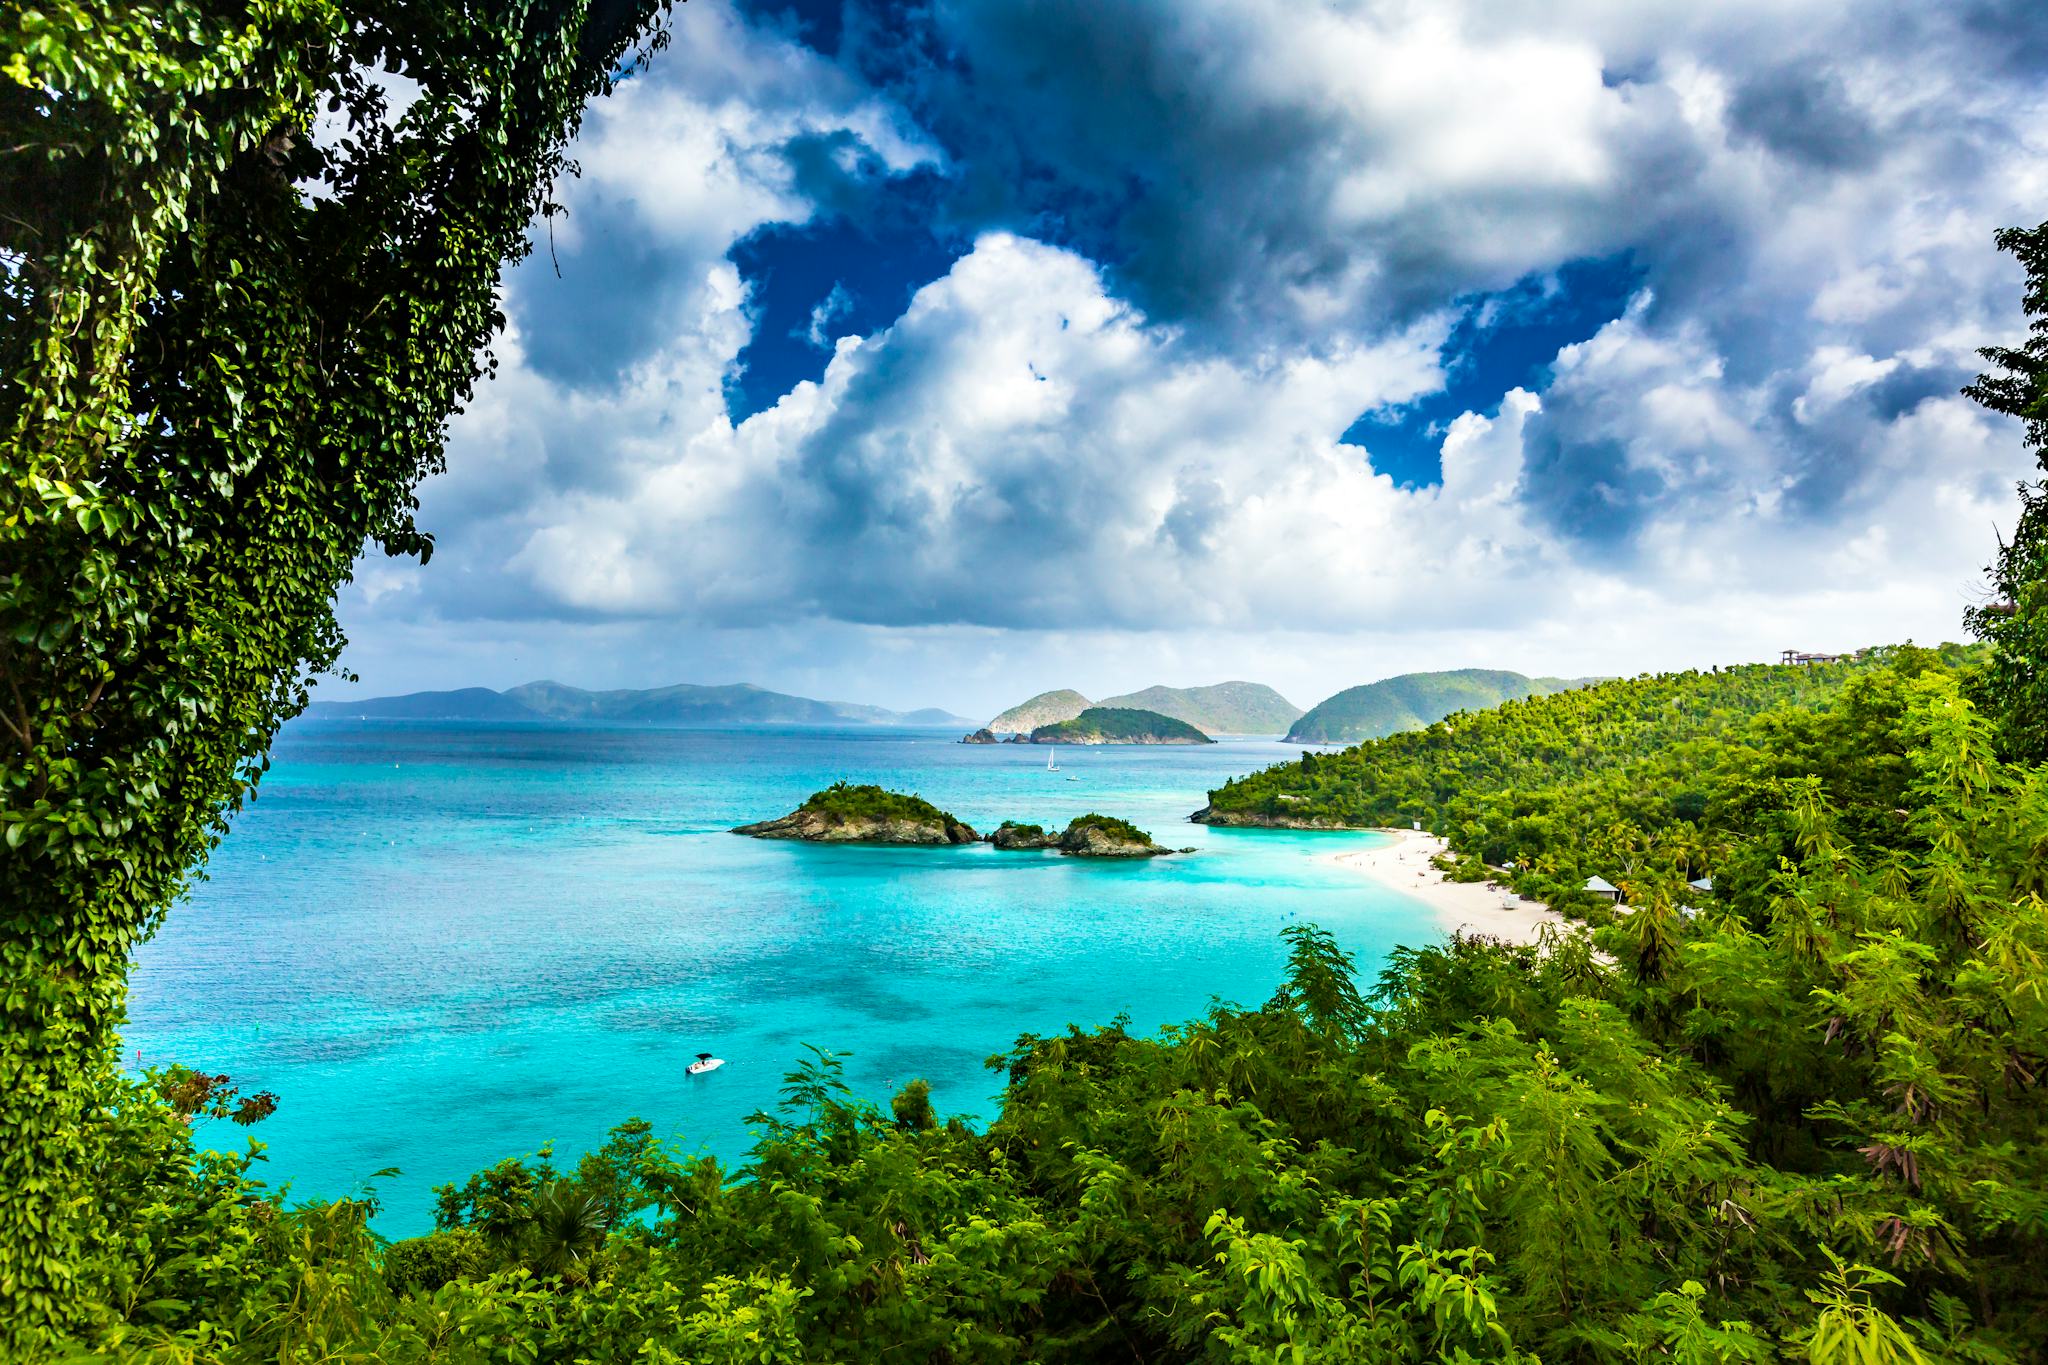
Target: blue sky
column 942, row 353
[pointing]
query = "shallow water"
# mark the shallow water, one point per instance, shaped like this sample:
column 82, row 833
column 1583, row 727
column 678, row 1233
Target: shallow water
column 442, row 945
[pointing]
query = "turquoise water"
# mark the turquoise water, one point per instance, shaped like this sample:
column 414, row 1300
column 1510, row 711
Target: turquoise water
column 442, row 945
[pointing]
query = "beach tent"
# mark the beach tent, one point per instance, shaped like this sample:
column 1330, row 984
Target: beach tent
column 1604, row 889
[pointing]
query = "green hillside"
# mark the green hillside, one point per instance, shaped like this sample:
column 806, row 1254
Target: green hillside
column 1229, row 708
column 1569, row 785
column 462, row 703
column 1411, row 701
column 1119, row 725
column 681, row 706
column 1047, row 708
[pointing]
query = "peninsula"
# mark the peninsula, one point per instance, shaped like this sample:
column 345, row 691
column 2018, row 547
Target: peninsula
column 844, row 814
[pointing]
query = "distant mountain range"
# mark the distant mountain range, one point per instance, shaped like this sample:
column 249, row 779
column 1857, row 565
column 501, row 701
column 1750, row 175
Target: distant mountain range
column 1413, row 701
column 682, row 706
column 1408, row 702
column 1230, row 708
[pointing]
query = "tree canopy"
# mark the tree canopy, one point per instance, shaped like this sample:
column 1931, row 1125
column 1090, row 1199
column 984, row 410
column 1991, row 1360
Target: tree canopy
column 2014, row 618
column 245, row 283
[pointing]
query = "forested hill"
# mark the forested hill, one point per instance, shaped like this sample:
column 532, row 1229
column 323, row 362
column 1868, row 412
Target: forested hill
column 1609, row 779
column 682, row 705
column 1413, row 700
column 1228, row 708
column 1047, row 708
column 1119, row 725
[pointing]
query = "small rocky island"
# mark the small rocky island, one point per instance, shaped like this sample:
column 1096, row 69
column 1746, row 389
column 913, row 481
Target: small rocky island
column 847, row 814
column 1086, row 836
column 1119, row 725
column 1011, row 835
column 843, row 814
column 981, row 736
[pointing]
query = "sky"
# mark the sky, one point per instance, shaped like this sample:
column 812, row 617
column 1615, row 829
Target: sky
column 937, row 354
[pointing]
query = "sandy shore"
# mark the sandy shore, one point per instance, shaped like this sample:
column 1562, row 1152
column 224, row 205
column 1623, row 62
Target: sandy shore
column 1474, row 907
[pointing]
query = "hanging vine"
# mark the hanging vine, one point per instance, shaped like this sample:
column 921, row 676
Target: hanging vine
column 242, row 288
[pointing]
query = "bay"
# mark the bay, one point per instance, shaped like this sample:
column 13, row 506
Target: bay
column 442, row 945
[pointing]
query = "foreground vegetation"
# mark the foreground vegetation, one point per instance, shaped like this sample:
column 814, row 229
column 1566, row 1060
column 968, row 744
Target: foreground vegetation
column 1803, row 1125
column 228, row 351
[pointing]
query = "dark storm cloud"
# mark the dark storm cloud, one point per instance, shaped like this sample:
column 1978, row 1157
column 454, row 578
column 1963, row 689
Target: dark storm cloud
column 1148, row 137
column 1587, row 487
column 589, row 311
column 810, row 354
column 1805, row 114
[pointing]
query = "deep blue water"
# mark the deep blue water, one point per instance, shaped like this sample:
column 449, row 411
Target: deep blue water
column 442, row 945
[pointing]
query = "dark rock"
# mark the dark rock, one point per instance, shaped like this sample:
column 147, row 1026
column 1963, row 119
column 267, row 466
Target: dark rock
column 818, row 828
column 1092, row 841
column 1254, row 819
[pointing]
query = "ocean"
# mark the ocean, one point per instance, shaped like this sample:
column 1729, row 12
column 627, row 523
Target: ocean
column 441, row 945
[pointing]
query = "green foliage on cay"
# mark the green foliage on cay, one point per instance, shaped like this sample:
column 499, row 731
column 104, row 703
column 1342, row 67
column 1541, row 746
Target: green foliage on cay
column 1122, row 830
column 868, row 802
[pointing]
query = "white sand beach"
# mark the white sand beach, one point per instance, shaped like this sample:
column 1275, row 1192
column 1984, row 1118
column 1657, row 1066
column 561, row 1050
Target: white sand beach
column 1474, row 907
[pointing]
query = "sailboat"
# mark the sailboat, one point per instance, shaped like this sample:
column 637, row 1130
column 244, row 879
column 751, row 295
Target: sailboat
column 1052, row 760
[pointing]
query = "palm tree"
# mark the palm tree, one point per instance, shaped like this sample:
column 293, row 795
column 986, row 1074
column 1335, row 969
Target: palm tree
column 565, row 1228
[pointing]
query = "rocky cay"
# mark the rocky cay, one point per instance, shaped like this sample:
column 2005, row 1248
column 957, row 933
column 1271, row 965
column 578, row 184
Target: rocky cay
column 846, row 814
column 867, row 814
column 1086, row 836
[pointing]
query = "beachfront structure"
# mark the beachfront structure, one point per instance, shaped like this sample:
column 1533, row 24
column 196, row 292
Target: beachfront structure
column 1604, row 889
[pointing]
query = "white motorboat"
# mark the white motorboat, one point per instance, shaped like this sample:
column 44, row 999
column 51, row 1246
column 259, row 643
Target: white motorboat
column 705, row 1062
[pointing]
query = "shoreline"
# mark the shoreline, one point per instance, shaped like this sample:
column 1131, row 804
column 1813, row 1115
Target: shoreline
column 1473, row 907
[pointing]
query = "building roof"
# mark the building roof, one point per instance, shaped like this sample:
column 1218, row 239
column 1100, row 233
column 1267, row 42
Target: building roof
column 1600, row 884
column 1701, row 883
